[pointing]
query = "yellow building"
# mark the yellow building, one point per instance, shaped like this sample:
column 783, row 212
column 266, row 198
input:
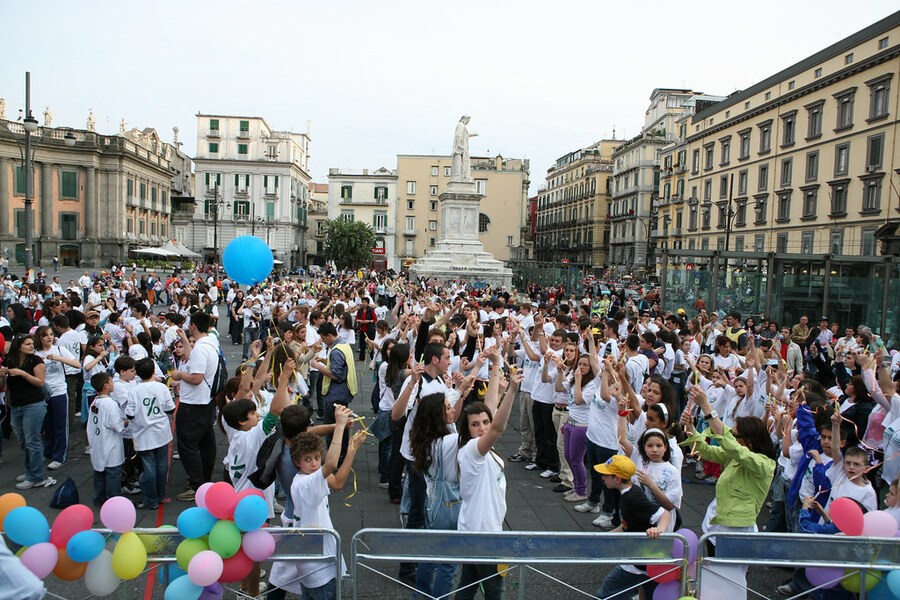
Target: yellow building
column 572, row 225
column 502, row 218
column 318, row 214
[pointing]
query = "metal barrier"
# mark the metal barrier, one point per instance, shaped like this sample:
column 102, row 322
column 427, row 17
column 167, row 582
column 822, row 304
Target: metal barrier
column 799, row 550
column 519, row 549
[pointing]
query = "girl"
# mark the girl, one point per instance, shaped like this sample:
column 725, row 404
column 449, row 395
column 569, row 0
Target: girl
column 565, row 365
column 581, row 386
column 390, row 382
column 95, row 361
column 56, row 423
column 236, row 324
column 346, row 332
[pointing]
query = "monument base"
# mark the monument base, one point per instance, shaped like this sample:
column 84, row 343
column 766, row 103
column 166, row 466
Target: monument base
column 462, row 259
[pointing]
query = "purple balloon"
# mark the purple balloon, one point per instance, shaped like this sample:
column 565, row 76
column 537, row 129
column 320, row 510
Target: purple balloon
column 693, row 545
column 670, row 590
column 821, row 576
column 213, row 591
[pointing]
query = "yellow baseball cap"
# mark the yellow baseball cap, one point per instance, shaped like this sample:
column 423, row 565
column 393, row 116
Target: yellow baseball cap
column 619, row 466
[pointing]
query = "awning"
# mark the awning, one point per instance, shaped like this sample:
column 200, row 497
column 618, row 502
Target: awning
column 178, row 249
column 155, row 252
column 277, row 262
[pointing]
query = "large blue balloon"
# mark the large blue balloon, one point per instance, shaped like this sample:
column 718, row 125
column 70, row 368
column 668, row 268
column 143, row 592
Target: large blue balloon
column 195, row 522
column 250, row 513
column 85, row 546
column 247, row 260
column 183, row 589
column 26, row 526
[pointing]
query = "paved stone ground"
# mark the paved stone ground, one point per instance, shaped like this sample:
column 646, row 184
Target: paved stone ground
column 531, row 506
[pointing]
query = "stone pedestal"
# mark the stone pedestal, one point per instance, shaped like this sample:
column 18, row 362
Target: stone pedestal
column 459, row 254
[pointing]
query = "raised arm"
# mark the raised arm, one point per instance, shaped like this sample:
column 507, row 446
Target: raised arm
column 501, row 416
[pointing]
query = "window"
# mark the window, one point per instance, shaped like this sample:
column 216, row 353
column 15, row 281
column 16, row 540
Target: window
column 810, row 199
column 68, row 225
column 872, row 196
column 242, row 149
column 679, row 189
column 708, row 156
column 841, row 159
column 347, row 216
column 431, row 241
column 792, row 84
column 381, row 192
column 667, row 191
column 692, row 218
column 812, row 166
column 845, row 109
column 744, row 145
column 270, row 184
column 142, row 226
column 241, row 182
column 481, row 186
column 814, row 120
column 245, row 127
column 241, row 210
column 759, row 243
column 483, row 222
column 883, row 43
column 879, row 92
column 786, row 168
column 432, row 225
column 723, row 186
column 839, row 199
column 742, row 183
column 806, row 242
column 379, row 221
column 270, row 211
column 740, row 215
column 704, row 244
column 214, row 125
column 707, row 190
column 433, row 190
column 143, row 188
column 153, row 193
column 739, row 243
column 705, row 217
column 788, row 128
column 722, row 216
column 836, row 245
column 129, row 187
column 346, row 192
column 763, row 183
column 410, row 224
column 781, row 243
column 760, row 209
column 433, row 205
column 446, row 171
column 768, row 95
column 725, row 149
column 213, row 147
column 848, row 58
column 695, row 162
column 817, row 73
column 765, row 137
column 509, row 240
column 129, row 225
column 874, row 152
column 410, row 187
column 209, row 207
column 68, row 184
column 410, row 205
column 867, row 237
column 434, row 171
column 784, row 207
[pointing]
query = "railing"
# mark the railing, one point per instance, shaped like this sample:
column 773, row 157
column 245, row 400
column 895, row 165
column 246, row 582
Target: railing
column 213, row 133
column 244, row 133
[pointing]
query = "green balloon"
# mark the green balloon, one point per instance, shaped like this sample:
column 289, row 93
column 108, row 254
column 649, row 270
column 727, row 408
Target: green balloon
column 186, row 551
column 225, row 539
column 852, row 583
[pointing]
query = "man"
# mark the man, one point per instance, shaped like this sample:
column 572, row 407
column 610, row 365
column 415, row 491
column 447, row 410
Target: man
column 825, row 336
column 365, row 320
column 196, row 411
column 790, row 351
column 316, row 319
column 736, row 334
column 800, row 331
column 339, row 385
column 546, row 455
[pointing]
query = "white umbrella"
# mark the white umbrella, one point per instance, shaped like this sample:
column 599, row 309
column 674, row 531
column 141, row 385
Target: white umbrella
column 154, row 252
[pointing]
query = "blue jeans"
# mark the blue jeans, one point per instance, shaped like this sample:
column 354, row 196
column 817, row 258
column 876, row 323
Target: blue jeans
column 56, row 429
column 491, row 587
column 597, row 455
column 323, row 592
column 251, row 334
column 107, row 484
column 619, row 580
column 416, row 492
column 436, row 579
column 153, row 479
column 26, row 422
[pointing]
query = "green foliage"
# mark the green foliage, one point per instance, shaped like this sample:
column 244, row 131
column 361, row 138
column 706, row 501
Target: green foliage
column 348, row 243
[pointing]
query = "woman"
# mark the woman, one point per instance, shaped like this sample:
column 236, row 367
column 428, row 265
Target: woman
column 748, row 456
column 236, row 325
column 580, row 387
column 482, row 484
column 18, row 318
column 565, row 365
column 390, row 384
column 23, row 374
column 56, row 421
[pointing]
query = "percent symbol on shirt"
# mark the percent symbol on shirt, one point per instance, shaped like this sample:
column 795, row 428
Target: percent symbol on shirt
column 152, row 408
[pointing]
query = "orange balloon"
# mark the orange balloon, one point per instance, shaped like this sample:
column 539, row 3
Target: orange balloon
column 67, row 569
column 9, row 502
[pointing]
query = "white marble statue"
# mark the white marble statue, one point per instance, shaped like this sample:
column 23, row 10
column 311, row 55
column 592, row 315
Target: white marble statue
column 2, row 108
column 122, row 126
column 461, row 165
column 48, row 116
column 91, row 121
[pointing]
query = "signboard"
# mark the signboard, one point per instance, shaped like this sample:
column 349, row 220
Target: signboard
column 688, row 266
column 565, row 261
column 379, row 251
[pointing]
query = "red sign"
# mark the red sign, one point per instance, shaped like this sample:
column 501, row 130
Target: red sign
column 378, row 251
column 565, row 261
column 688, row 266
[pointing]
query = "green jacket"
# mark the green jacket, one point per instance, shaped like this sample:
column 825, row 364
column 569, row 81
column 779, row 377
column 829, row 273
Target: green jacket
column 745, row 480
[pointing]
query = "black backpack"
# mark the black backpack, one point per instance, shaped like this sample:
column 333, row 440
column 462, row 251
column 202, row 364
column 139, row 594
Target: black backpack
column 267, row 460
column 217, row 386
column 66, row 495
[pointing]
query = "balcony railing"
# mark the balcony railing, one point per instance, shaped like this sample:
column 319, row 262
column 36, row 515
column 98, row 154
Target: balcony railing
column 213, row 133
column 244, row 134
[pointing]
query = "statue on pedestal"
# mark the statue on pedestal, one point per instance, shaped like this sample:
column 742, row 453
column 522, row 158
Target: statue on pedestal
column 91, row 121
column 122, row 126
column 2, row 108
column 48, row 116
column 461, row 165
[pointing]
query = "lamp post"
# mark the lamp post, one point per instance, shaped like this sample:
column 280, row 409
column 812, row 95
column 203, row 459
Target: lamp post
column 215, row 207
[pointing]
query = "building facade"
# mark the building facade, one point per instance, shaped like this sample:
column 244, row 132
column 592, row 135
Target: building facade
column 372, row 199
column 250, row 180
column 95, row 196
column 316, row 216
column 503, row 182
column 572, row 207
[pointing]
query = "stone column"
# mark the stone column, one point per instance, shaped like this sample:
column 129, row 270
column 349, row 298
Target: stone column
column 47, row 172
column 90, row 203
column 4, row 196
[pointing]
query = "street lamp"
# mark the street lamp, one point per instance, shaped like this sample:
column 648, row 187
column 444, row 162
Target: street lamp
column 215, row 207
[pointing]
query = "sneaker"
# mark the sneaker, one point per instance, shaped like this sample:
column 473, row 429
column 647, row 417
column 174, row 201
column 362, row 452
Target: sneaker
column 573, row 497
column 277, row 508
column 186, row 496
column 548, row 474
column 587, row 507
column 131, row 490
column 556, row 479
column 87, row 450
column 27, row 485
column 175, row 456
column 562, row 488
column 698, row 468
column 384, row 485
column 531, row 466
column 55, row 465
column 785, row 589
column 517, row 457
column 604, row 521
column 21, row 477
column 78, row 415
column 262, row 575
column 143, row 506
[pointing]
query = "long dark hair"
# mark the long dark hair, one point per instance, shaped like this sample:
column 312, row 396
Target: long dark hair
column 397, row 360
column 755, row 432
column 667, row 392
column 15, row 358
column 20, row 322
column 462, row 424
column 428, row 427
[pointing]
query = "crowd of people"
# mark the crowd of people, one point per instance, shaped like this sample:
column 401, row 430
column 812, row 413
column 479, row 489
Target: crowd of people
column 616, row 399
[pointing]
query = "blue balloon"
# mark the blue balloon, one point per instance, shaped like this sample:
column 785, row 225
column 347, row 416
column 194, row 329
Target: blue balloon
column 882, row 591
column 893, row 579
column 85, row 546
column 183, row 589
column 195, row 522
column 247, row 260
column 250, row 513
column 26, row 526
column 174, row 571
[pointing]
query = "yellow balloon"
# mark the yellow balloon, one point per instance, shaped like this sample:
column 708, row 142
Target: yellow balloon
column 130, row 557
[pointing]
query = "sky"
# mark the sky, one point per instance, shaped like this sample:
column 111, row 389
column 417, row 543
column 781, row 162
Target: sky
column 376, row 79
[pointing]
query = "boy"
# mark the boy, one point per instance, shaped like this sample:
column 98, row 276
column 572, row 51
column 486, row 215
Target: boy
column 123, row 381
column 105, row 425
column 309, row 492
column 637, row 513
column 847, row 473
column 149, row 403
column 891, row 501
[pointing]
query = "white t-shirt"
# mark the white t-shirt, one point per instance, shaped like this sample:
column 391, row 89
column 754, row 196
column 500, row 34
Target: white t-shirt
column 240, row 460
column 147, row 405
column 603, row 422
column 104, row 431
column 482, row 487
column 580, row 413
column 727, row 362
column 842, row 487
column 204, row 359
column 54, row 375
column 428, row 386
column 542, row 391
column 310, row 496
column 637, row 366
column 71, row 341
column 666, row 477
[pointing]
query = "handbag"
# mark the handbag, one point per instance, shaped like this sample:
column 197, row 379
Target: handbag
column 381, row 426
column 442, row 507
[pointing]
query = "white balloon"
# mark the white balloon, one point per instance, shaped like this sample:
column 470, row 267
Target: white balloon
column 99, row 578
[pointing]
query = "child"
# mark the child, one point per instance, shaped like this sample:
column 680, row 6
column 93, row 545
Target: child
column 891, row 501
column 124, row 380
column 310, row 490
column 637, row 513
column 658, row 477
column 105, row 425
column 149, row 403
column 847, row 473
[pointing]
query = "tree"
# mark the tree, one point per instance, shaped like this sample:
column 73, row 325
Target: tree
column 348, row 243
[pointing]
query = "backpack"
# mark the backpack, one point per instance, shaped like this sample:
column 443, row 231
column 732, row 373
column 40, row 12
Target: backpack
column 267, row 460
column 66, row 495
column 219, row 380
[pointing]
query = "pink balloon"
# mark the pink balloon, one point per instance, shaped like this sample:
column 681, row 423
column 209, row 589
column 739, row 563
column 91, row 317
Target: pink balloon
column 118, row 514
column 258, row 545
column 879, row 524
column 846, row 515
column 70, row 521
column 205, row 568
column 249, row 492
column 221, row 500
column 40, row 559
column 200, row 495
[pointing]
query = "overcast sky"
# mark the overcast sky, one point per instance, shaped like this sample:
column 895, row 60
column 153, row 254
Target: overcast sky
column 376, row 79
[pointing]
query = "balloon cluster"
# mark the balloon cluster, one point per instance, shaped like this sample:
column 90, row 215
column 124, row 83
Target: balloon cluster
column 849, row 518
column 668, row 577
column 70, row 549
column 223, row 538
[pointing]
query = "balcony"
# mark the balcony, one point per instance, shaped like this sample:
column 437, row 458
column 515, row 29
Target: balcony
column 213, row 133
column 409, row 232
column 244, row 134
